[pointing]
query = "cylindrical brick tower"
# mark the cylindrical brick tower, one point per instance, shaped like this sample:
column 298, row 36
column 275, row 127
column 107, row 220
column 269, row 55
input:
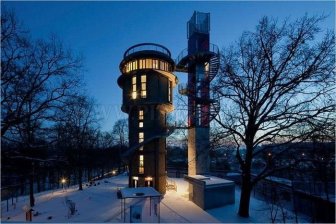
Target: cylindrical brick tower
column 147, row 81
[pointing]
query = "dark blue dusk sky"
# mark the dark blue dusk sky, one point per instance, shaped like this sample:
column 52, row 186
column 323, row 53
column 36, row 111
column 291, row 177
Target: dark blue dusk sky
column 102, row 31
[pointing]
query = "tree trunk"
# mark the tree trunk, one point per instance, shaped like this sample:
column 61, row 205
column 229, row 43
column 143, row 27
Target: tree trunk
column 89, row 176
column 80, row 174
column 244, row 205
column 38, row 182
column 31, row 191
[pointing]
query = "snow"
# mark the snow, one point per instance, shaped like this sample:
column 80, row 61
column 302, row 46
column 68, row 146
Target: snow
column 100, row 204
column 212, row 180
column 280, row 180
column 144, row 191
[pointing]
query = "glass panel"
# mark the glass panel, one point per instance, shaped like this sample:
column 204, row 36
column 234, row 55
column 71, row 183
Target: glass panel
column 143, row 78
column 142, row 63
column 127, row 67
column 134, row 80
column 161, row 65
column 148, row 63
column 155, row 64
column 140, row 124
column 134, row 65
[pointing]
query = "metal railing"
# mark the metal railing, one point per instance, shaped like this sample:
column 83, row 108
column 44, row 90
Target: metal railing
column 147, row 47
column 212, row 48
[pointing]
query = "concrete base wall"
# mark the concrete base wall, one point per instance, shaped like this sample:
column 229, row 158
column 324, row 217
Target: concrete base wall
column 198, row 151
column 208, row 196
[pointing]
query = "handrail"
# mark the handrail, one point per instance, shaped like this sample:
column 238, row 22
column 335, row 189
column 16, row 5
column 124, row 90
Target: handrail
column 212, row 48
column 148, row 47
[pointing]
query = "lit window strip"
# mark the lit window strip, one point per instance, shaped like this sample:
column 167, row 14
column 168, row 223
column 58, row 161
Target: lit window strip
column 134, row 88
column 147, row 63
column 141, row 164
column 143, row 86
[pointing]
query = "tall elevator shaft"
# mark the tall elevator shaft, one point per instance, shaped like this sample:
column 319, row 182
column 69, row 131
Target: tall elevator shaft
column 201, row 61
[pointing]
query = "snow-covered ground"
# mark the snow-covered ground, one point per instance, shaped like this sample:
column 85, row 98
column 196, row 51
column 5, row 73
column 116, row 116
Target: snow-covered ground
column 100, row 204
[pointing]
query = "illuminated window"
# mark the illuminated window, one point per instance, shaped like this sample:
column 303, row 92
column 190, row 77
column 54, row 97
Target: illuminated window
column 161, row 65
column 149, row 63
column 134, row 89
column 155, row 64
column 141, row 148
column 128, row 67
column 134, row 65
column 142, row 63
column 141, row 137
column 141, row 115
column 169, row 91
column 143, row 86
column 141, row 164
column 140, row 124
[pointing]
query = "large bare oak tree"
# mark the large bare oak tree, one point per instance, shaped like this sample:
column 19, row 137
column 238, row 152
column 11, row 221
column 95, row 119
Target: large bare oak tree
column 275, row 84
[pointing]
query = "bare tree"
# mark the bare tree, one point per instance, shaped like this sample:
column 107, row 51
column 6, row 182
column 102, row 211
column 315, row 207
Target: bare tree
column 36, row 76
column 77, row 127
column 40, row 72
column 120, row 132
column 273, row 83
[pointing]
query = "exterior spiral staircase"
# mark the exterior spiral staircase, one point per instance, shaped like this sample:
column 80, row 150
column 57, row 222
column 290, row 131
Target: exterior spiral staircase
column 213, row 57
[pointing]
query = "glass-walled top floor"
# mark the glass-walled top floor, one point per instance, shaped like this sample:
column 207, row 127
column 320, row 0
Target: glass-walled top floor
column 147, row 63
